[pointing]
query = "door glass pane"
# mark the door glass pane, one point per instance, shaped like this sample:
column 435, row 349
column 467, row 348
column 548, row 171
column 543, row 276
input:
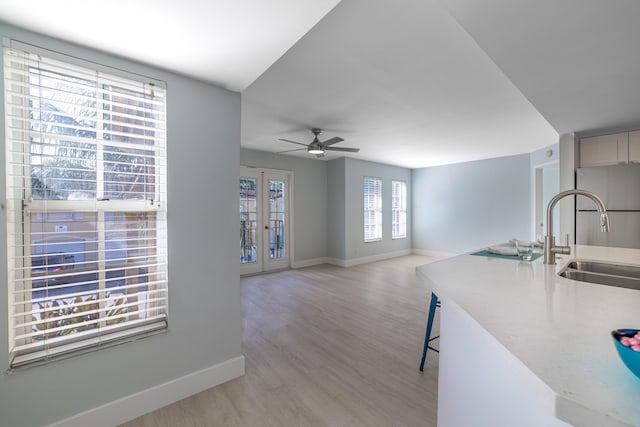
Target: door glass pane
column 276, row 219
column 248, row 220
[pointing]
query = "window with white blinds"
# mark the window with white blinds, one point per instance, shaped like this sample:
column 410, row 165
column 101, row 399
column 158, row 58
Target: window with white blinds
column 398, row 209
column 372, row 209
column 86, row 206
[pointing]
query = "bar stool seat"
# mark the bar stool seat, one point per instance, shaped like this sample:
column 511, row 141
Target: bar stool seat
column 435, row 303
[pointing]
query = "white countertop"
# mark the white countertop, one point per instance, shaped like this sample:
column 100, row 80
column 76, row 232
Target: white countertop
column 560, row 329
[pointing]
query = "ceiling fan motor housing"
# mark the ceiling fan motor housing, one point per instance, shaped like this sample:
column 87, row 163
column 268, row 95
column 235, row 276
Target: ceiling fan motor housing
column 315, row 147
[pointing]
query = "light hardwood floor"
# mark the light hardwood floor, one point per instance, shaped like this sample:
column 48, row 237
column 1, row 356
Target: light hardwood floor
column 325, row 346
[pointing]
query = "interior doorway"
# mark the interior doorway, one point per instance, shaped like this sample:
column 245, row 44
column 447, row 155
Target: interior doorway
column 265, row 226
column 546, row 185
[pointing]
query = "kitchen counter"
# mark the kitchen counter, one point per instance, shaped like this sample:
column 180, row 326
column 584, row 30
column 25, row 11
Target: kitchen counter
column 541, row 343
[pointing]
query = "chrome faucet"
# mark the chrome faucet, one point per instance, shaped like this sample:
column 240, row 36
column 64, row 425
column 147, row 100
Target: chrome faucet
column 550, row 248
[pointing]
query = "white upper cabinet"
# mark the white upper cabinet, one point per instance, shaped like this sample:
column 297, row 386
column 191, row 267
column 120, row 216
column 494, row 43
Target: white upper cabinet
column 608, row 149
column 634, row 147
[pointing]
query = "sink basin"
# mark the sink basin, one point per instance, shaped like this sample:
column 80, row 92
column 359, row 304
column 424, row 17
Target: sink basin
column 603, row 273
column 606, row 268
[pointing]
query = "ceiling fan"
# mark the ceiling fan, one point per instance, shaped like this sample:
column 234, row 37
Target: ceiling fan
column 318, row 148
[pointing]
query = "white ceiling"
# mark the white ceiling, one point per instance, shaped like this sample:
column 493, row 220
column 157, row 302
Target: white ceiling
column 413, row 82
column 577, row 61
column 225, row 42
column 402, row 81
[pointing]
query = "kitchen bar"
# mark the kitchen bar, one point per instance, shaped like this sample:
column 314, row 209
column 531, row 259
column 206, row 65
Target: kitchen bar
column 523, row 346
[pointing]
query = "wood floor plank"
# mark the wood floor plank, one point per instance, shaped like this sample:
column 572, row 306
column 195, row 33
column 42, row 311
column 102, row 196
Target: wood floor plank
column 325, row 346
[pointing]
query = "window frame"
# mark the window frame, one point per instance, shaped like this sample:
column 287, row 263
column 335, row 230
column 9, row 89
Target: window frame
column 374, row 212
column 21, row 206
column 399, row 207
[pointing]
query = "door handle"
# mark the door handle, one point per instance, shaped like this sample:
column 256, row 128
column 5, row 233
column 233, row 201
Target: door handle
column 266, row 227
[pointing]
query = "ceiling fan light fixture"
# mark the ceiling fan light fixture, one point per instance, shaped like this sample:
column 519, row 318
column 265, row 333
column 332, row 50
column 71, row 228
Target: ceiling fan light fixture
column 315, row 147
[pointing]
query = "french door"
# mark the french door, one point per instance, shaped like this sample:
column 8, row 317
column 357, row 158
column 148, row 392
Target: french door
column 264, row 220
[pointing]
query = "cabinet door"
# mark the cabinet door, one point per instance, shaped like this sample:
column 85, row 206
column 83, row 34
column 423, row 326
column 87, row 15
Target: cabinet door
column 604, row 150
column 634, row 147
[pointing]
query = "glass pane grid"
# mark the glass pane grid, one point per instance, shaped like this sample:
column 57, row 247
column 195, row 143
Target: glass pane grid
column 372, row 209
column 277, row 248
column 67, row 292
column 398, row 209
column 248, row 221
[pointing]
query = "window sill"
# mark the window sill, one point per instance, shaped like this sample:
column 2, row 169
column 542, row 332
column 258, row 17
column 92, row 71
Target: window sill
column 88, row 345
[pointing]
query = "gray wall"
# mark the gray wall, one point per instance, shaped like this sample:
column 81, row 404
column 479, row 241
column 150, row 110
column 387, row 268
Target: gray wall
column 569, row 160
column 204, row 295
column 355, row 171
column 309, row 199
column 461, row 207
column 336, row 209
column 328, row 204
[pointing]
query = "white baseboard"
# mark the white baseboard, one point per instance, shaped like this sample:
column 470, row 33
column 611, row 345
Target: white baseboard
column 436, row 254
column 364, row 260
column 367, row 259
column 310, row 262
column 337, row 261
column 130, row 407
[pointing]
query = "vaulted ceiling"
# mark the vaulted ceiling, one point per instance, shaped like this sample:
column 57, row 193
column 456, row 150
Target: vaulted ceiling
column 413, row 82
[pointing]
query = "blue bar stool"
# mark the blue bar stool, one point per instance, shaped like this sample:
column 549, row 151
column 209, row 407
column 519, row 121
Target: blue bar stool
column 427, row 336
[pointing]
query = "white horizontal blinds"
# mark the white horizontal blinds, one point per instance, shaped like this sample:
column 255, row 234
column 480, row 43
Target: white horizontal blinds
column 372, row 209
column 86, row 190
column 398, row 209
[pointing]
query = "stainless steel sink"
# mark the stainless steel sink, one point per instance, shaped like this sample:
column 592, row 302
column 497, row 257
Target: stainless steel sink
column 606, row 268
column 603, row 273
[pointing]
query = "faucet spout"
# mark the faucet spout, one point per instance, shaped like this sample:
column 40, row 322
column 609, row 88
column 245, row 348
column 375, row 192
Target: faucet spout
column 604, row 222
column 550, row 248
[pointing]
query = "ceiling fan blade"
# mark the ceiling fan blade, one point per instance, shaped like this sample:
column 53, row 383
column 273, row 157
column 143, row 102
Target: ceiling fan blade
column 350, row 150
column 333, row 140
column 288, row 151
column 293, row 142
